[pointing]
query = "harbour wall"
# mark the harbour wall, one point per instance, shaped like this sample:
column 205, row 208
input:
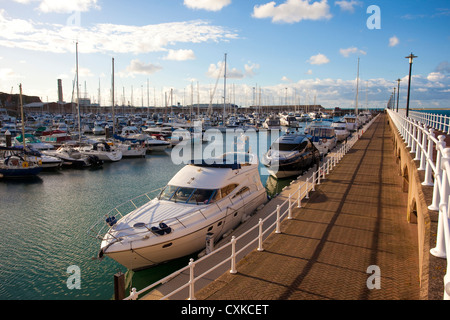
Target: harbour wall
column 431, row 269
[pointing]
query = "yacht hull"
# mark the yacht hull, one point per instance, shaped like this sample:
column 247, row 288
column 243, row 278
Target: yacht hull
column 144, row 253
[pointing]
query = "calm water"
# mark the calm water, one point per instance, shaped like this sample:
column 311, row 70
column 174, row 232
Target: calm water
column 44, row 223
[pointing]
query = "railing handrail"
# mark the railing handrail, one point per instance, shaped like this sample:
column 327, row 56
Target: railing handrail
column 308, row 186
column 423, row 142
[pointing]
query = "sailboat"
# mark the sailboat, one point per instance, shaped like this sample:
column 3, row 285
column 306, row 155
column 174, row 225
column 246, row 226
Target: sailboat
column 14, row 162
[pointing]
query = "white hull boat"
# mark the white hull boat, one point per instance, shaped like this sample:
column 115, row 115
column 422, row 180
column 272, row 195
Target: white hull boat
column 102, row 150
column 202, row 201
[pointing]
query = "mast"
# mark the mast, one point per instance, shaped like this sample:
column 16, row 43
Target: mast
column 112, row 98
column 224, row 90
column 21, row 114
column 357, row 90
column 78, row 97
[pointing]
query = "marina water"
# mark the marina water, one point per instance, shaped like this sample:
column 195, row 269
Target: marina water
column 44, row 224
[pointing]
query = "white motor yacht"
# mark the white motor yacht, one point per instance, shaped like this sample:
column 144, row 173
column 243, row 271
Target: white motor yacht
column 73, row 157
column 102, row 150
column 202, row 200
column 340, row 128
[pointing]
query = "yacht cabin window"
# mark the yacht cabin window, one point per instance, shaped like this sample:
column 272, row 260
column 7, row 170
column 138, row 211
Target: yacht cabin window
column 187, row 195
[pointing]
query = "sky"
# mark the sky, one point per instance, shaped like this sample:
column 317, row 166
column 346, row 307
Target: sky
column 277, row 52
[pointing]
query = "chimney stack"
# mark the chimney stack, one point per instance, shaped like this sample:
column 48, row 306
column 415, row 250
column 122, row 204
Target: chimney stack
column 60, row 91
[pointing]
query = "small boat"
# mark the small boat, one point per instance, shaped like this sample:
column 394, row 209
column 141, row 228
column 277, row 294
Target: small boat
column 352, row 122
column 204, row 200
column 272, row 123
column 290, row 155
column 131, row 148
column 72, row 157
column 340, row 128
column 14, row 163
column 32, row 141
column 34, row 155
column 323, row 137
column 102, row 150
column 154, row 144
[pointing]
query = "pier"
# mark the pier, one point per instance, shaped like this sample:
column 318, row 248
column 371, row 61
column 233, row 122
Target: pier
column 362, row 230
column 353, row 224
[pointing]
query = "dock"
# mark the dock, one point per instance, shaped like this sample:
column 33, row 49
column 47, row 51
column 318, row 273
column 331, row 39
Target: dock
column 349, row 241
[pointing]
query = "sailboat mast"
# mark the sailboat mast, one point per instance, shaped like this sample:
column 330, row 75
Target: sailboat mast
column 112, row 98
column 78, row 97
column 21, row 114
column 224, row 90
column 357, row 90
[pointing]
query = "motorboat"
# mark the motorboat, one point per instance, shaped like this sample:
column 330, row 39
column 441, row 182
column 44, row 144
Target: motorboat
column 272, row 123
column 340, row 128
column 32, row 141
column 57, row 138
column 99, row 129
column 34, row 155
column 15, row 164
column 133, row 133
column 290, row 155
column 288, row 120
column 352, row 122
column 102, row 150
column 323, row 137
column 131, row 148
column 73, row 157
column 203, row 201
column 154, row 144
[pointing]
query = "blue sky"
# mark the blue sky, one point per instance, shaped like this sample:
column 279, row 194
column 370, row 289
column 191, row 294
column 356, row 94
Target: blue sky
column 302, row 50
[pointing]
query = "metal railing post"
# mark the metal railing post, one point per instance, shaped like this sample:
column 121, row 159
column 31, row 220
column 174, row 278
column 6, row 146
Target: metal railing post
column 278, row 220
column 233, row 255
column 260, row 236
column 191, row 280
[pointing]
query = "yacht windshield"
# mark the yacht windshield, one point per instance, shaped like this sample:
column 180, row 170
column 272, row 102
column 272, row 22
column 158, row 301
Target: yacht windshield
column 187, row 195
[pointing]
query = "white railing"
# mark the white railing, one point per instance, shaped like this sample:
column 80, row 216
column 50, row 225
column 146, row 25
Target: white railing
column 424, row 145
column 436, row 121
column 284, row 209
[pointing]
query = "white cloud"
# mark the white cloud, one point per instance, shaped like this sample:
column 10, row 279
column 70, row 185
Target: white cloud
column 293, row 11
column 66, row 6
column 393, row 41
column 318, row 59
column 346, row 52
column 6, row 73
column 435, row 76
column 26, row 34
column 217, row 70
column 209, row 5
column 138, row 67
column 250, row 69
column 348, row 5
column 180, row 55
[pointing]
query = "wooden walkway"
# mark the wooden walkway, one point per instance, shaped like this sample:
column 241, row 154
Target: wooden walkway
column 354, row 220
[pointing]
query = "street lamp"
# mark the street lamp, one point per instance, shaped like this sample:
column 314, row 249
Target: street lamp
column 410, row 57
column 398, row 91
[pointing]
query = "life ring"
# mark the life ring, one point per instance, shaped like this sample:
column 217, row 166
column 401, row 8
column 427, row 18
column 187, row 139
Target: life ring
column 24, row 164
column 324, row 140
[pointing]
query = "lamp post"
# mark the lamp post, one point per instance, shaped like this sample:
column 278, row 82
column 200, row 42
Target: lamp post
column 411, row 58
column 398, row 91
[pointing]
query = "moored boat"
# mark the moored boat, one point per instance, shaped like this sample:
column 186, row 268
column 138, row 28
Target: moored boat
column 290, row 155
column 205, row 199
